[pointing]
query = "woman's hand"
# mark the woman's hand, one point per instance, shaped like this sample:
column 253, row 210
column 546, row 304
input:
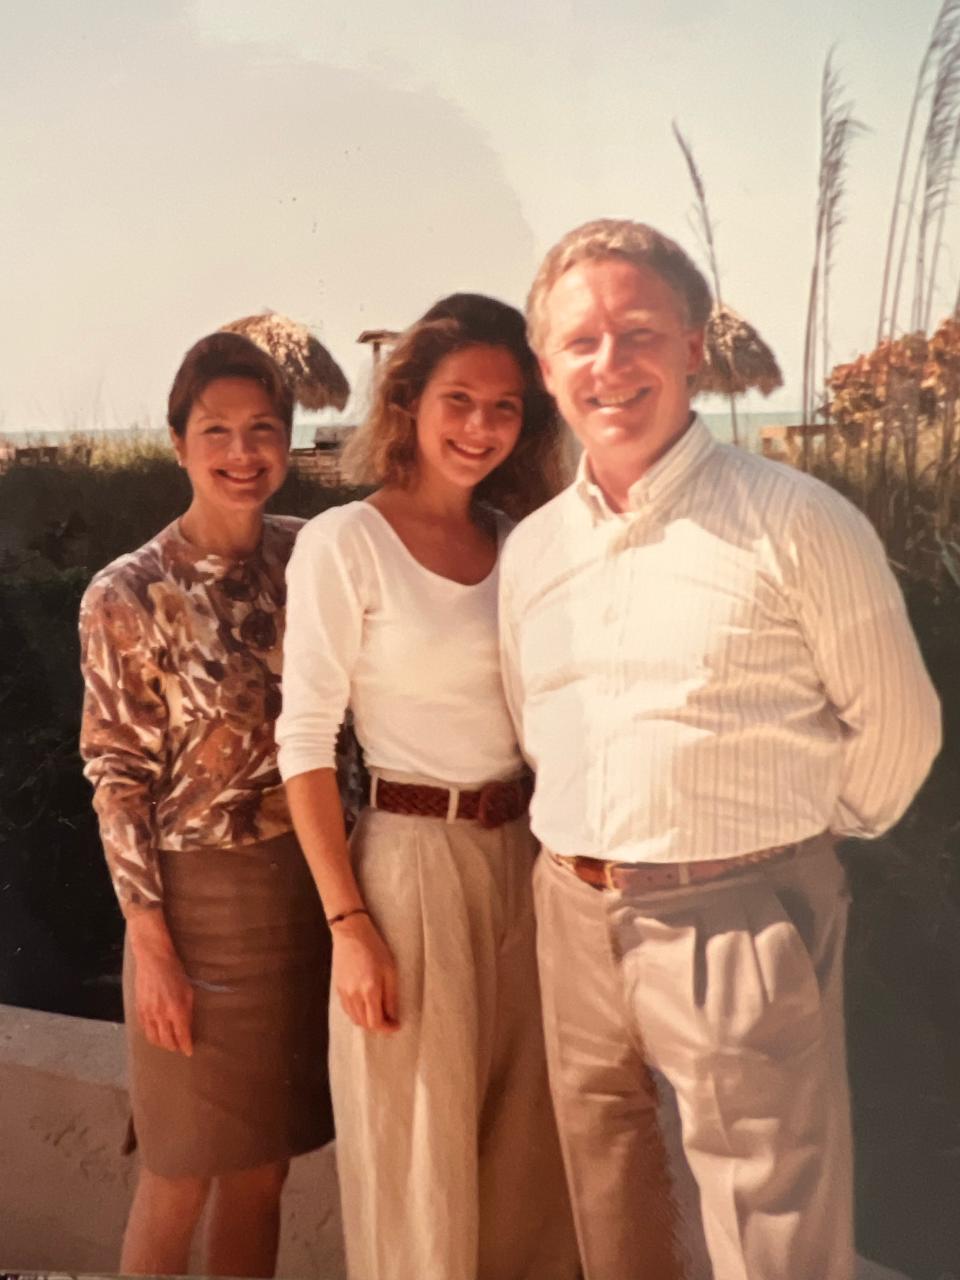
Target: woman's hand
column 163, row 996
column 364, row 970
column 365, row 974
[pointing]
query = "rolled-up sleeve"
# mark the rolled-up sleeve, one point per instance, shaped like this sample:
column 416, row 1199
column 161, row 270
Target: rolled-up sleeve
column 324, row 626
column 122, row 737
column 853, row 616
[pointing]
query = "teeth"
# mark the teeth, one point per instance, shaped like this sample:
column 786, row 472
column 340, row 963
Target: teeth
column 473, row 453
column 612, row 402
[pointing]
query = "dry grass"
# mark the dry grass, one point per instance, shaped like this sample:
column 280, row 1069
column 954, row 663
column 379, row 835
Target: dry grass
column 837, row 130
column 106, row 496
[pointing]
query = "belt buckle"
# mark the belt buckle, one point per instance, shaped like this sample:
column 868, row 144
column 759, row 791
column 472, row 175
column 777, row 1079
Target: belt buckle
column 585, row 869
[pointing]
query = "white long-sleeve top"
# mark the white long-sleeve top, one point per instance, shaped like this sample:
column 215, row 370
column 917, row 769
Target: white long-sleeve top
column 414, row 654
column 725, row 667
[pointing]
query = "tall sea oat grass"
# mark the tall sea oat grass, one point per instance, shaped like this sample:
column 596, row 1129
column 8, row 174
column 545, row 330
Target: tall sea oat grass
column 946, row 30
column 704, row 227
column 891, row 430
column 939, row 163
column 837, row 129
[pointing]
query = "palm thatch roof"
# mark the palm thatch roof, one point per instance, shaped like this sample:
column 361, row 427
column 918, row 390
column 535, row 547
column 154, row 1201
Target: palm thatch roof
column 317, row 379
column 735, row 357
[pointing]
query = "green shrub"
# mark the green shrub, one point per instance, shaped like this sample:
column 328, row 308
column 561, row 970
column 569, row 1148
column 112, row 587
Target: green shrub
column 105, row 499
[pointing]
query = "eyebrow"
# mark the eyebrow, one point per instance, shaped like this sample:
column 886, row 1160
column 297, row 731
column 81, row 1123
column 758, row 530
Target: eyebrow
column 639, row 316
column 469, row 386
column 257, row 417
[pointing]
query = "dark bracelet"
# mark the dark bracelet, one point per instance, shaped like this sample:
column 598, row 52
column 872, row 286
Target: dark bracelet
column 345, row 915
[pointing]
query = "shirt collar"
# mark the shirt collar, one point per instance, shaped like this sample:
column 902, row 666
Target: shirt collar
column 660, row 481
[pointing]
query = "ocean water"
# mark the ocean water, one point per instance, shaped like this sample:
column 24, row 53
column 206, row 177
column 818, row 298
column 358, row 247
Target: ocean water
column 748, row 425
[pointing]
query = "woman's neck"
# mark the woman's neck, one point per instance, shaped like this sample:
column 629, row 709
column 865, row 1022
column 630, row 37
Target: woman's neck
column 229, row 534
column 440, row 503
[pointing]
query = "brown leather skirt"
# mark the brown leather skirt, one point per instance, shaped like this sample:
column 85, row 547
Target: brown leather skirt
column 248, row 927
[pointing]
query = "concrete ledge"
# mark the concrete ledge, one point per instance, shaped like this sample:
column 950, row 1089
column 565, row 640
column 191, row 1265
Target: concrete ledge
column 88, row 1051
column 64, row 1186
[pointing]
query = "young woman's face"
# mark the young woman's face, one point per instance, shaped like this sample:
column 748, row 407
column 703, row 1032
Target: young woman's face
column 469, row 415
column 235, row 448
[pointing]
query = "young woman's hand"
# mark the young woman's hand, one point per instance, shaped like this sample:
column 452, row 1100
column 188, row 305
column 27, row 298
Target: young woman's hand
column 162, row 993
column 365, row 974
column 364, row 971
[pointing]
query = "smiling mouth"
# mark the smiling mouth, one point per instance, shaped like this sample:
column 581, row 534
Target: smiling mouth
column 618, row 402
column 465, row 451
column 242, row 477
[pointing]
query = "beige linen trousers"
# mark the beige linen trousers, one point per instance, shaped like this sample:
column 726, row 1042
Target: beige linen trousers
column 732, row 991
column 447, row 1151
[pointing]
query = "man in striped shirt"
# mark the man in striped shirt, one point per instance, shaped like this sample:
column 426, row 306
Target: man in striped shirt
column 712, row 673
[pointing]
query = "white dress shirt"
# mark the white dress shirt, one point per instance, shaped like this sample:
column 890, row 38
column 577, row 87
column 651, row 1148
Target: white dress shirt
column 414, row 654
column 724, row 667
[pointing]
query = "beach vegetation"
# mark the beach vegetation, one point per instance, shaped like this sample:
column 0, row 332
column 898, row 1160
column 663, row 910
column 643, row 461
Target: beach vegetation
column 882, row 429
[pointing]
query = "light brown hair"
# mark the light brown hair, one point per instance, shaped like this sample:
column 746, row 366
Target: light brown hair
column 619, row 238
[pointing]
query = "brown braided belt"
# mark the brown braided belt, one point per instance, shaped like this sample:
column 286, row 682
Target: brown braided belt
column 641, row 877
column 494, row 804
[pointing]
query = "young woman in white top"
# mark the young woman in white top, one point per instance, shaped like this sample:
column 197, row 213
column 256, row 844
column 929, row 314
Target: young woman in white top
column 448, row 1159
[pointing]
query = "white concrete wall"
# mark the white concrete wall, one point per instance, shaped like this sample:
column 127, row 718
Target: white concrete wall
column 65, row 1187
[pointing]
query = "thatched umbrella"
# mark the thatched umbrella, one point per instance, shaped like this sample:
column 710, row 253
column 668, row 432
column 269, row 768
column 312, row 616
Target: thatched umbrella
column 736, row 358
column 316, row 377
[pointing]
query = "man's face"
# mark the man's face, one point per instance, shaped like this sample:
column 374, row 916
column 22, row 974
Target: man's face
column 617, row 354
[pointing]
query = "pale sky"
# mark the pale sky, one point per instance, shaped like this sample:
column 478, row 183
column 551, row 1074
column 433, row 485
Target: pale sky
column 169, row 165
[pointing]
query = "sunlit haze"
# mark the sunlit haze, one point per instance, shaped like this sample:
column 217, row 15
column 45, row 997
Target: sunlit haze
column 169, row 166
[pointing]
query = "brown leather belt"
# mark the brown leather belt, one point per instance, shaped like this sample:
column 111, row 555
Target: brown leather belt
column 491, row 806
column 641, row 877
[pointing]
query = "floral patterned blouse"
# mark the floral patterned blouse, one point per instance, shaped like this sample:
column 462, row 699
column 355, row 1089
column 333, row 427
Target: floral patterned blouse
column 181, row 655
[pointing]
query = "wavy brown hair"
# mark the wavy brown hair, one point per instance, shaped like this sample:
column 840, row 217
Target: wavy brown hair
column 384, row 449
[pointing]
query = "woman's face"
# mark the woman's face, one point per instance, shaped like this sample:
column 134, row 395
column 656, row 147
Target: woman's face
column 469, row 415
column 235, row 448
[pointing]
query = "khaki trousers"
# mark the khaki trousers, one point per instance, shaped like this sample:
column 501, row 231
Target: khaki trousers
column 733, row 991
column 447, row 1151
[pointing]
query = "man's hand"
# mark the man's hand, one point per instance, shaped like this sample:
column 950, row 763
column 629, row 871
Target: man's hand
column 162, row 994
column 365, row 975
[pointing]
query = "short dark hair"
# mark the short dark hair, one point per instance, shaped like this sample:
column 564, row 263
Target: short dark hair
column 226, row 355
column 620, row 238
column 384, row 449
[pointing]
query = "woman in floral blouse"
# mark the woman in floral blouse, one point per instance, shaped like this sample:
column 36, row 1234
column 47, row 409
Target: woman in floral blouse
column 226, row 959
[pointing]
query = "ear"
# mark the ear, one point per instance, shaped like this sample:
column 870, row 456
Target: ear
column 695, row 341
column 177, row 442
